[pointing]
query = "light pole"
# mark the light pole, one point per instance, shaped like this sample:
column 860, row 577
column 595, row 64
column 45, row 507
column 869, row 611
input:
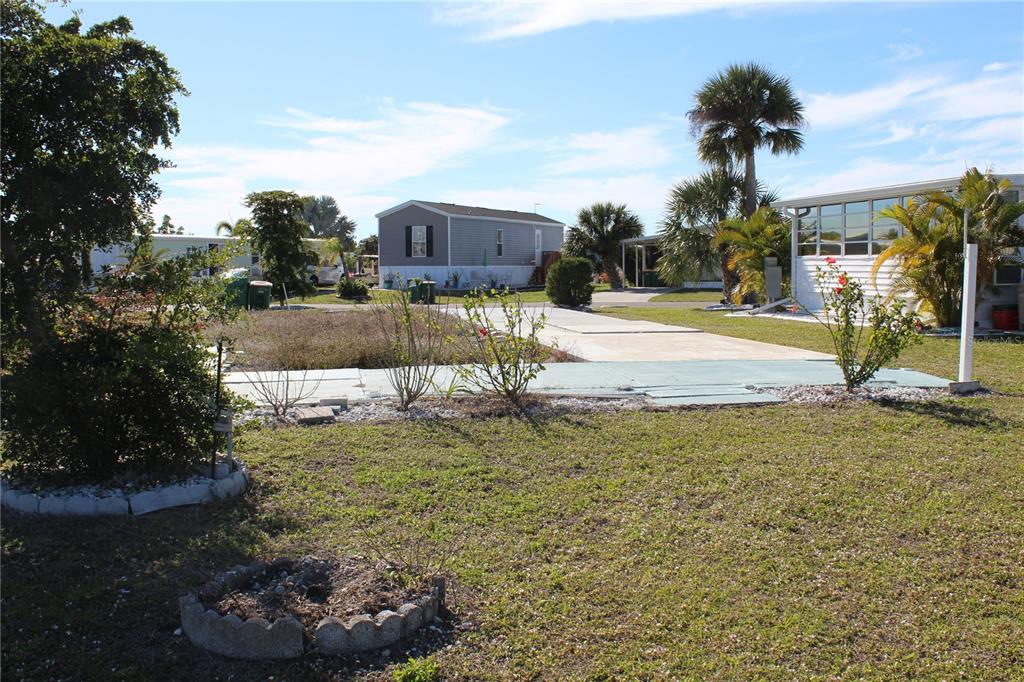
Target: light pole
column 964, row 383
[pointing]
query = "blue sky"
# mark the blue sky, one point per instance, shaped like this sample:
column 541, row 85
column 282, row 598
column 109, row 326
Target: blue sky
column 508, row 105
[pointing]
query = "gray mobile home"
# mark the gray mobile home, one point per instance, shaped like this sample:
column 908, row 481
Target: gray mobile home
column 477, row 245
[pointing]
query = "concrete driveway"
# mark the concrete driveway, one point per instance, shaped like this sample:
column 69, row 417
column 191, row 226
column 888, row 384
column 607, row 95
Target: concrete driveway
column 628, row 296
column 602, row 338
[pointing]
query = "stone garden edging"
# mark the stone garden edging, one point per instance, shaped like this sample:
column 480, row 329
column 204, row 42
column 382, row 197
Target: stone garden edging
column 257, row 638
column 231, row 479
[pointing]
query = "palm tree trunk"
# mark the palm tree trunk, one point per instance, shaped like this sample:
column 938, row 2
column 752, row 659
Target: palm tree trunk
column 612, row 270
column 86, row 266
column 730, row 280
column 749, row 187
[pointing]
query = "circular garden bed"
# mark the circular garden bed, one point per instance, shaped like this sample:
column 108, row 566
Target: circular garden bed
column 337, row 606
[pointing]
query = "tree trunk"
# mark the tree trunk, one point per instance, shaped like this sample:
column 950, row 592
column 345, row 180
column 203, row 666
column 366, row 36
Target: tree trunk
column 749, row 187
column 86, row 266
column 612, row 270
column 730, row 280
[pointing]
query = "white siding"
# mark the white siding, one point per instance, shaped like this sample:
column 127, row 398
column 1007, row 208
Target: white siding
column 807, row 291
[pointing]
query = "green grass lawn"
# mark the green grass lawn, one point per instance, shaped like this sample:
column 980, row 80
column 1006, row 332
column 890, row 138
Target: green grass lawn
column 328, row 296
column 689, row 297
column 997, row 364
column 785, row 542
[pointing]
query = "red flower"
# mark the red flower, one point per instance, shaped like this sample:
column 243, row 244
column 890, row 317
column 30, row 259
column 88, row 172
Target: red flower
column 839, row 290
column 482, row 332
column 842, row 280
column 830, row 260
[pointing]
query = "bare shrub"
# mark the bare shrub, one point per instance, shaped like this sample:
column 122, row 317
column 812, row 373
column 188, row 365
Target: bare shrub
column 416, row 339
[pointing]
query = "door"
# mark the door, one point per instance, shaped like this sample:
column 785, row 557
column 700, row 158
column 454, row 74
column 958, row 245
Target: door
column 537, row 251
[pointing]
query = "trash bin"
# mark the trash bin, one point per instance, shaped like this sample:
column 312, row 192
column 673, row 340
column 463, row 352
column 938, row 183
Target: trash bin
column 259, row 295
column 1005, row 317
column 236, row 288
column 413, row 288
column 428, row 292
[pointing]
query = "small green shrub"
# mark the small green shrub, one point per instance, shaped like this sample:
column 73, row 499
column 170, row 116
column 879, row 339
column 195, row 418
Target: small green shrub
column 417, row 670
column 510, row 354
column 846, row 314
column 569, row 282
column 352, row 288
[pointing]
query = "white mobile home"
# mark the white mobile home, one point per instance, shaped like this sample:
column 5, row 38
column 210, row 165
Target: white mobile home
column 477, row 245
column 171, row 245
column 848, row 226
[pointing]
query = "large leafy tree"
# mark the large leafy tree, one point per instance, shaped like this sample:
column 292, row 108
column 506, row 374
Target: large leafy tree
column 278, row 235
column 326, row 220
column 695, row 212
column 368, row 246
column 929, row 255
column 740, row 110
column 599, row 231
column 82, row 113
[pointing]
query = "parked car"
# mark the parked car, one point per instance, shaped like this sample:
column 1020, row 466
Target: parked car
column 323, row 275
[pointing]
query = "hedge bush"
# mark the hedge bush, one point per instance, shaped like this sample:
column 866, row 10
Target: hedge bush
column 569, row 282
column 123, row 387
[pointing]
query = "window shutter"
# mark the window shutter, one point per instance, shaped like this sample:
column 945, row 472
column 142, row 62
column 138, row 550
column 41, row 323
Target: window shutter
column 408, row 241
column 430, row 241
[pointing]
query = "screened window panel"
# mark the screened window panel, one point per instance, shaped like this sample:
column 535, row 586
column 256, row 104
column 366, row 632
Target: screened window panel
column 830, row 248
column 832, row 223
column 856, row 248
column 832, row 209
column 807, row 236
column 807, row 249
column 857, row 207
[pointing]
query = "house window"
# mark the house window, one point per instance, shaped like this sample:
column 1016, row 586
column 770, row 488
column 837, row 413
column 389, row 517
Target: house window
column 419, row 241
column 807, row 231
column 855, row 233
column 498, row 245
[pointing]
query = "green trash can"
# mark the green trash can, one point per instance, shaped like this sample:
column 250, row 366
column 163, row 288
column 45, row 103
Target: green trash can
column 414, row 290
column 259, row 295
column 428, row 292
column 236, row 288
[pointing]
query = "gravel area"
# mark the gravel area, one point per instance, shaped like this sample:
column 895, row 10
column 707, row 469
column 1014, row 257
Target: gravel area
column 461, row 408
column 826, row 395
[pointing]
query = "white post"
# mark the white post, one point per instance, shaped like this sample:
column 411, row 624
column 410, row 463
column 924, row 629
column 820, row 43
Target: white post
column 636, row 267
column 964, row 383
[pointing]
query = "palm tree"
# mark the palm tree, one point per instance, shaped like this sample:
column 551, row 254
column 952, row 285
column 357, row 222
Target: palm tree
column 240, row 230
column 694, row 214
column 763, row 235
column 599, row 231
column 740, row 110
column 929, row 255
column 326, row 220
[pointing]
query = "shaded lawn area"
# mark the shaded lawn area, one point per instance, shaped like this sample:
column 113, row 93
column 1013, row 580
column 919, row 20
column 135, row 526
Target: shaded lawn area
column 999, row 365
column 776, row 542
column 698, row 296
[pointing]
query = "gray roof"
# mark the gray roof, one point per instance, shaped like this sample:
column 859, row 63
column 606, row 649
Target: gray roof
column 478, row 212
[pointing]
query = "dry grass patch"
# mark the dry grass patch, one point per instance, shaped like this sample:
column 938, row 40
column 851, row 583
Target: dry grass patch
column 316, row 339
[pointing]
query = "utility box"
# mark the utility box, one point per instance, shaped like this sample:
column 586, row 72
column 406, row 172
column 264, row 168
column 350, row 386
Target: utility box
column 236, row 288
column 259, row 295
column 772, row 279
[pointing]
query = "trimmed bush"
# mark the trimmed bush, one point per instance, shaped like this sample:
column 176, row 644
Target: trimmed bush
column 569, row 282
column 352, row 288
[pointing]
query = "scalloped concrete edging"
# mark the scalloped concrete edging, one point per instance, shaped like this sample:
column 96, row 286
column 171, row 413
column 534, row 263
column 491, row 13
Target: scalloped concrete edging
column 257, row 638
column 227, row 484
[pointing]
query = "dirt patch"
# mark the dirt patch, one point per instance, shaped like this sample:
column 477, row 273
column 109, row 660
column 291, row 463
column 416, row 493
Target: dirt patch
column 313, row 588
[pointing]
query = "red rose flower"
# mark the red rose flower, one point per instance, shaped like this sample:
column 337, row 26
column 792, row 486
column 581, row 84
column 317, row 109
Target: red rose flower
column 830, row 260
column 482, row 332
column 842, row 280
column 839, row 290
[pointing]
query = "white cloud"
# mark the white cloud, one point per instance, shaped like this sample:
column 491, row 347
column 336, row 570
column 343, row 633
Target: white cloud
column 350, row 159
column 499, row 20
column 829, row 110
column 561, row 198
column 903, row 52
column 996, row 66
column 897, row 133
column 630, row 149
